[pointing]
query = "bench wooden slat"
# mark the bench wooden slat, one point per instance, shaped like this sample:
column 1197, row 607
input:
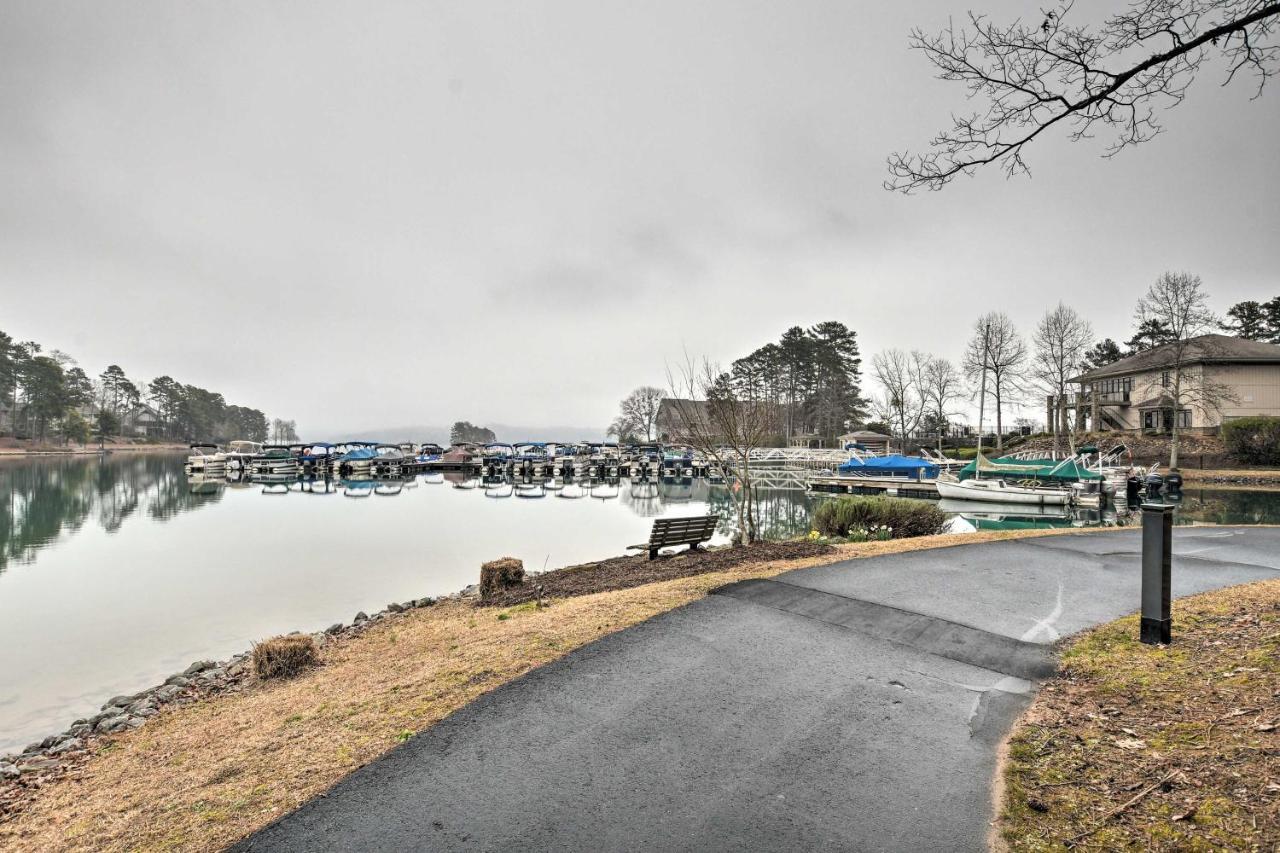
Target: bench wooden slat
column 690, row 530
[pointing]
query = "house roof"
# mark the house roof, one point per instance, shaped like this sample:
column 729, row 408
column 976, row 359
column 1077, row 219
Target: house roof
column 1161, row 401
column 674, row 406
column 1204, row 349
column 683, row 414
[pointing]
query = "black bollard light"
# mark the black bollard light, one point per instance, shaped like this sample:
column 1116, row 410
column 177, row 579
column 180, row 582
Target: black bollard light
column 1157, row 550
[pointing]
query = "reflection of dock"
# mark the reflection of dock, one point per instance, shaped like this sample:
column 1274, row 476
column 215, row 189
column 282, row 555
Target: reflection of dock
column 899, row 487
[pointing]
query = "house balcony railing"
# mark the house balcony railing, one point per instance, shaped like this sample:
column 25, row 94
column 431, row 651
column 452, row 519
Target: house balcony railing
column 1085, row 398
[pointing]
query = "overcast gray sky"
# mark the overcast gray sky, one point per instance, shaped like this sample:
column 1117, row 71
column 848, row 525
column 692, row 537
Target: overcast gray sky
column 359, row 214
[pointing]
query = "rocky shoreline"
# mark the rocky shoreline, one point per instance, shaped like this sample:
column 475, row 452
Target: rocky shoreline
column 23, row 773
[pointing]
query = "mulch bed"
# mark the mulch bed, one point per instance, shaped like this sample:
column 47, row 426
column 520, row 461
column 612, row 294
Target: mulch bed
column 1139, row 747
column 626, row 572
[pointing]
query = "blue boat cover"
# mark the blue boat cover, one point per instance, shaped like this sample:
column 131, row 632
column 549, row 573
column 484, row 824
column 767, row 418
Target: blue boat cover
column 894, row 465
column 359, row 453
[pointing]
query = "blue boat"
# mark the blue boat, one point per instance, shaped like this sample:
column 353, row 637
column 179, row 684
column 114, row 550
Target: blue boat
column 359, row 459
column 317, row 458
column 894, row 465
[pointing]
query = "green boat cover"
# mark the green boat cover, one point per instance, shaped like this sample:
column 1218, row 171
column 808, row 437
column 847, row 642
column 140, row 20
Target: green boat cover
column 1044, row 470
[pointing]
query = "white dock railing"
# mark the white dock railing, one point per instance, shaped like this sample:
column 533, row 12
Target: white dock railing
column 804, row 457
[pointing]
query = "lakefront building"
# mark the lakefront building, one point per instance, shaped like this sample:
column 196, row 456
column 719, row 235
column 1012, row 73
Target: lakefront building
column 1222, row 378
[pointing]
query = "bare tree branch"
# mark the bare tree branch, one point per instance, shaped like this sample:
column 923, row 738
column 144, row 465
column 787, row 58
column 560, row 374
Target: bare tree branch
column 1034, row 77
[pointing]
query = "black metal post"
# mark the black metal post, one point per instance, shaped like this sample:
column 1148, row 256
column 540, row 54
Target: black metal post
column 1157, row 550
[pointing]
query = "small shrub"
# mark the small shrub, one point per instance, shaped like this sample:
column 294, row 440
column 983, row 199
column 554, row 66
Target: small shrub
column 860, row 519
column 283, row 657
column 1253, row 440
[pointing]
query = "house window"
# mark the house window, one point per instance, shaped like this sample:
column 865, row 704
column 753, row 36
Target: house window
column 1149, row 420
column 1184, row 418
column 1164, row 379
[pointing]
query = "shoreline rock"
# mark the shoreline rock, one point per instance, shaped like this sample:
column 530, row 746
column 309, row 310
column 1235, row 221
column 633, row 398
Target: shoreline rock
column 21, row 774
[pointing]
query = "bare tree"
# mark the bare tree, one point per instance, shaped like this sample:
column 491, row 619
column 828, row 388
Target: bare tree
column 1178, row 301
column 942, row 386
column 640, row 410
column 995, row 360
column 1061, row 341
column 724, row 422
column 625, row 430
column 1036, row 74
column 904, row 403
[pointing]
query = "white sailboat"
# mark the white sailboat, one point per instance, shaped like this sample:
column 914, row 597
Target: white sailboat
column 999, row 491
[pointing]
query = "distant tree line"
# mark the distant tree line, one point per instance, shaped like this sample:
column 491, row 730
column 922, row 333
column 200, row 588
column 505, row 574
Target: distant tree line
column 47, row 394
column 465, row 432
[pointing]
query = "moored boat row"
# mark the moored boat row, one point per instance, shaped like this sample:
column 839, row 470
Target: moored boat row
column 321, row 458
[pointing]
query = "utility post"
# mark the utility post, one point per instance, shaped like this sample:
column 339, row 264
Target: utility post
column 1157, row 550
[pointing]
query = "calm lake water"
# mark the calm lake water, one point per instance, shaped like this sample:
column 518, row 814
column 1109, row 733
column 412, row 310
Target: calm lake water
column 116, row 573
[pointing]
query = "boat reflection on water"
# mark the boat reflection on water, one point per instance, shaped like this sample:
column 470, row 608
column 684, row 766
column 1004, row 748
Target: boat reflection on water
column 498, row 488
column 358, row 488
column 981, row 515
column 317, row 486
column 205, row 484
column 675, row 489
column 604, row 490
column 462, row 480
column 571, row 491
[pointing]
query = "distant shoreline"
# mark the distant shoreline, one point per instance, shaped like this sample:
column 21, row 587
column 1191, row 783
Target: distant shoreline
column 87, row 450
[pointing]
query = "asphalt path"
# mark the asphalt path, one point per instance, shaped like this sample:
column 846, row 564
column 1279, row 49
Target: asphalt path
column 855, row 706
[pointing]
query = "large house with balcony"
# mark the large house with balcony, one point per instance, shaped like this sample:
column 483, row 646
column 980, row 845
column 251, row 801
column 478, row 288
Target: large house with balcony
column 1223, row 378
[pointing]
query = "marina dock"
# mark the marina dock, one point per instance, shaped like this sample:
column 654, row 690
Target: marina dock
column 898, row 487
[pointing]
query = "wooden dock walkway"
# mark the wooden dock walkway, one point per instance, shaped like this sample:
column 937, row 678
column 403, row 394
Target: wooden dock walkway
column 899, row 487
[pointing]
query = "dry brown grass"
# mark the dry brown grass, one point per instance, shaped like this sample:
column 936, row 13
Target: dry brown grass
column 198, row 777
column 283, row 657
column 1138, row 747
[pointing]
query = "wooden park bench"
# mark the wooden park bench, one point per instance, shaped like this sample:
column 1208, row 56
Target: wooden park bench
column 691, row 531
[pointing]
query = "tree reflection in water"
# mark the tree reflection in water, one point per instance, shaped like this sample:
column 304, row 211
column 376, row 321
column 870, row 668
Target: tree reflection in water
column 40, row 499
column 1229, row 506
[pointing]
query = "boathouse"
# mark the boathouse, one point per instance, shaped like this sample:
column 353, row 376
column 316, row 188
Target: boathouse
column 864, row 439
